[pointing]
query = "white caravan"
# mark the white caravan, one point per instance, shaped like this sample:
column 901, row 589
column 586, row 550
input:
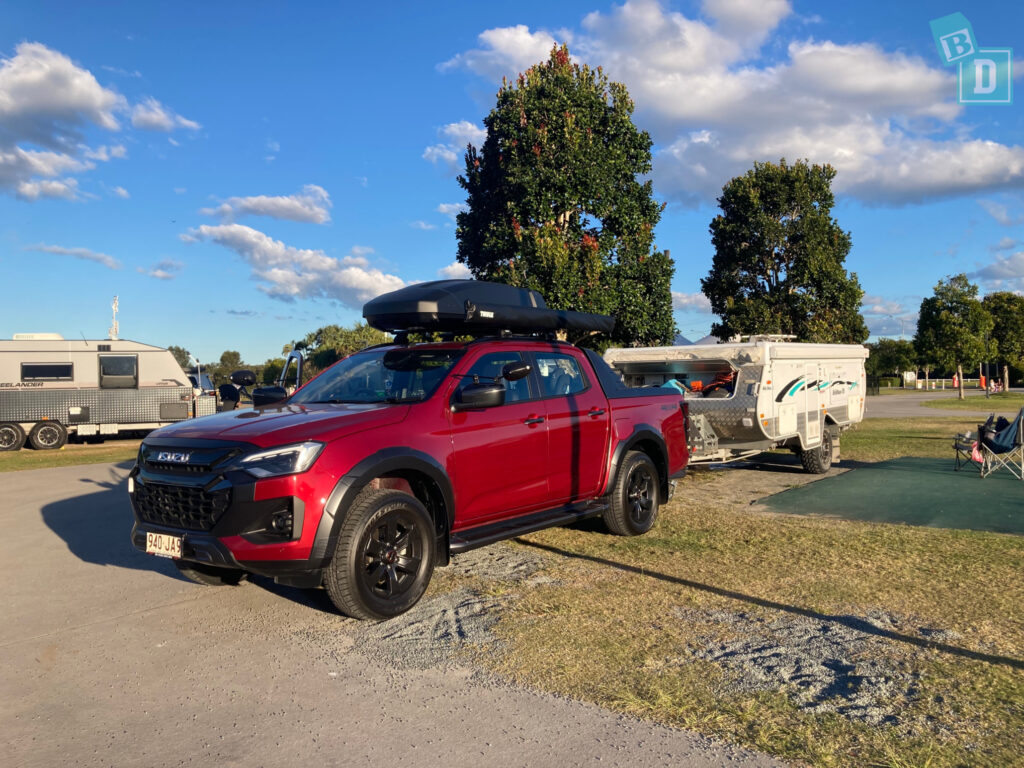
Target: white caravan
column 753, row 395
column 50, row 387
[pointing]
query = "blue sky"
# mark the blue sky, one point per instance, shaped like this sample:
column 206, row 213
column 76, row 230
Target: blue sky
column 243, row 173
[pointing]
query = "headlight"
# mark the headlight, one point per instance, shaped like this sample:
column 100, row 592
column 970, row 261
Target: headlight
column 287, row 460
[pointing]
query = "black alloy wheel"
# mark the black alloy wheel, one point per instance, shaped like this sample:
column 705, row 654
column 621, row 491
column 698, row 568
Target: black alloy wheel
column 635, row 497
column 384, row 558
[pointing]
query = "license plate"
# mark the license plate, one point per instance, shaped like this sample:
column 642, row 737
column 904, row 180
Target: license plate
column 162, row 545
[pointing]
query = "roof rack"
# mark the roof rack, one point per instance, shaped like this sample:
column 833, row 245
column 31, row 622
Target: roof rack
column 475, row 307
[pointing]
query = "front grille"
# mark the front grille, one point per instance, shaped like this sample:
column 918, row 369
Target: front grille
column 160, row 466
column 180, row 506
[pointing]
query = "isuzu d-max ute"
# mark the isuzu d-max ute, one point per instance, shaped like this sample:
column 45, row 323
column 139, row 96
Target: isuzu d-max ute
column 402, row 455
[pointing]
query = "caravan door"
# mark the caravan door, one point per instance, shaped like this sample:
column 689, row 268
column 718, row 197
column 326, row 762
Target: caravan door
column 812, row 405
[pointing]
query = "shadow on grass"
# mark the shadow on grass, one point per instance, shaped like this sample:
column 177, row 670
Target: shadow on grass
column 853, row 622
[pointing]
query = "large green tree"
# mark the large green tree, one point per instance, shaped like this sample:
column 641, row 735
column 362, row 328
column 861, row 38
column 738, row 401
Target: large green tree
column 1007, row 310
column 327, row 345
column 779, row 258
column 892, row 357
column 556, row 202
column 954, row 329
column 181, row 356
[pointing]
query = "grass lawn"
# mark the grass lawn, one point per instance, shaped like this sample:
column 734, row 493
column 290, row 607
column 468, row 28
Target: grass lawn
column 69, row 455
column 627, row 623
column 1001, row 402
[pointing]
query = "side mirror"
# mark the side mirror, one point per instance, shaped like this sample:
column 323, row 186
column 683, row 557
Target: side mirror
column 243, row 378
column 515, row 371
column 268, row 396
column 483, row 395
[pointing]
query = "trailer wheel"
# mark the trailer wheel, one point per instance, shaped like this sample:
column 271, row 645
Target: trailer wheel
column 48, row 436
column 209, row 575
column 634, row 506
column 12, row 436
column 818, row 460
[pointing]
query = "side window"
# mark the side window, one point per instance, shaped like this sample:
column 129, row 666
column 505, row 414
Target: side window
column 47, row 372
column 119, row 371
column 488, row 368
column 559, row 375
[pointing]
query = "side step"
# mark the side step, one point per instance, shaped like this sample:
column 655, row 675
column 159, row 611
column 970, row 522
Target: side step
column 481, row 536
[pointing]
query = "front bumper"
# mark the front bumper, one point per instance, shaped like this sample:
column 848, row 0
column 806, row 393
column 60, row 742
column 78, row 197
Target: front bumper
column 225, row 517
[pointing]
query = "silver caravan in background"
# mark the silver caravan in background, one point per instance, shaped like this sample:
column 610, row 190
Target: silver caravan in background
column 51, row 386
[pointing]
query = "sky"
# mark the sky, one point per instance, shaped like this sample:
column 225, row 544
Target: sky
column 240, row 174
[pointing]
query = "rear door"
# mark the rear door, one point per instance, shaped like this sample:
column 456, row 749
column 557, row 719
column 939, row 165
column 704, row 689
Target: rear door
column 500, row 454
column 578, row 425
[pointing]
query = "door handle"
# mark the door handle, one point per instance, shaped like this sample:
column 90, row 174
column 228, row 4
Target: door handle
column 534, row 420
column 595, row 412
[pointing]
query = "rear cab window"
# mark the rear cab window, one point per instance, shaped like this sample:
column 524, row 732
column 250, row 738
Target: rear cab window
column 559, row 374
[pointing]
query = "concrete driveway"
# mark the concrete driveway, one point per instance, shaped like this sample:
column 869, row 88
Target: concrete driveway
column 110, row 658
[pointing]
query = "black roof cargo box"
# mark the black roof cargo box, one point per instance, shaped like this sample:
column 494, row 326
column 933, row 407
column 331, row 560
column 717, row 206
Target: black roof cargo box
column 474, row 306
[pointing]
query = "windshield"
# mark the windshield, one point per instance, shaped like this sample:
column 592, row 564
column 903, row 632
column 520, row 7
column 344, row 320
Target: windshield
column 381, row 376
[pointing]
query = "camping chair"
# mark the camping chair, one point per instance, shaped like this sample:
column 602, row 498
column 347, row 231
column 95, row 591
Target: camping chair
column 1005, row 448
column 965, row 444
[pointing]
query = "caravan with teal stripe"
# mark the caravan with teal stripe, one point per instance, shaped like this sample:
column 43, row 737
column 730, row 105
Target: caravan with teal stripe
column 757, row 393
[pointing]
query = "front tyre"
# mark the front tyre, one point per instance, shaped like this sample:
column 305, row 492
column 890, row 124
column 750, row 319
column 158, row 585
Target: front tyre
column 208, row 575
column 384, row 558
column 635, row 497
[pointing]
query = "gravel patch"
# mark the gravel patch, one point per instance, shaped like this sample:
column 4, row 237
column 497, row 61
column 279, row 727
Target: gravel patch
column 822, row 666
column 440, row 629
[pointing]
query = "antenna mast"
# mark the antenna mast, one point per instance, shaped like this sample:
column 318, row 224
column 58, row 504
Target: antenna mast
column 113, row 323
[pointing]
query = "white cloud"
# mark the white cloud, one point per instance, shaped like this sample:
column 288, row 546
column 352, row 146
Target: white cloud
column 151, row 115
column 691, row 302
column 423, row 225
column 59, row 188
column 877, row 305
column 180, row 190
column 105, row 153
column 1005, row 244
column 504, row 51
column 455, row 271
column 311, row 205
column 451, row 209
column 1001, row 213
column 121, row 192
column 290, row 273
column 887, row 121
column 1006, row 273
column 164, row 270
column 456, row 137
column 78, row 253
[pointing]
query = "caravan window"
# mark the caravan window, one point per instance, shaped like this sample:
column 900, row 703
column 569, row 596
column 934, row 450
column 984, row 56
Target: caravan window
column 119, row 371
column 47, row 372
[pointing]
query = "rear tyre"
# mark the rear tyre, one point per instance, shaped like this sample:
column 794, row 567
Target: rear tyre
column 48, row 436
column 12, row 436
column 818, row 460
column 635, row 497
column 208, row 575
column 384, row 558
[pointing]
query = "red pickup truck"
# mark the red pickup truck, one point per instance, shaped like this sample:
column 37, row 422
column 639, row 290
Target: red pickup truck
column 401, row 455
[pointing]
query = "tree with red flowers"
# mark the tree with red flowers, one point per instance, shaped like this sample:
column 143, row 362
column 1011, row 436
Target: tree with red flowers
column 556, row 204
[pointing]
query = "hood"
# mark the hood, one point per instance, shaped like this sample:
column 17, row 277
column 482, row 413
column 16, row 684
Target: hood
column 279, row 425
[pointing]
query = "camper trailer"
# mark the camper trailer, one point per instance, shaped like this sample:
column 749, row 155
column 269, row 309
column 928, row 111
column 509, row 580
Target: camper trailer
column 759, row 393
column 51, row 387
